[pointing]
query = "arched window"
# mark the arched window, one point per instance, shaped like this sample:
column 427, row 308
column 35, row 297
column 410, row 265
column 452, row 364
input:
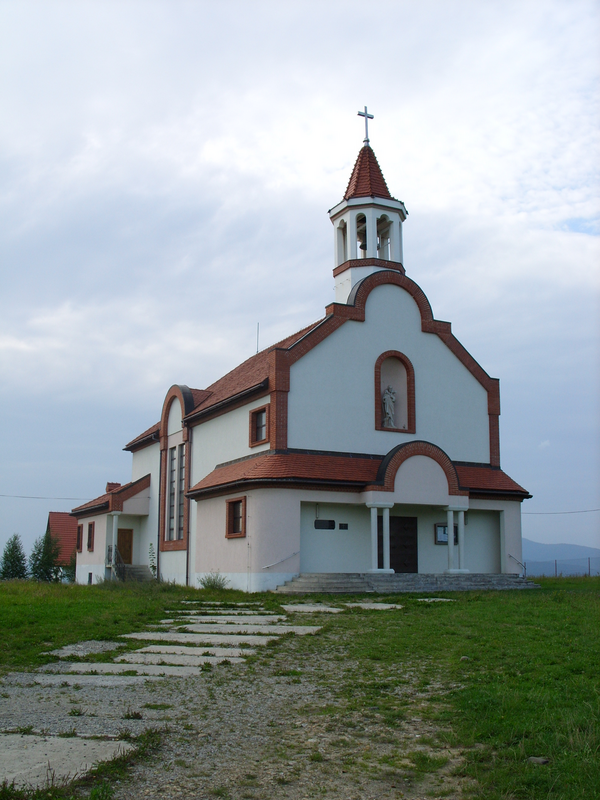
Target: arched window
column 394, row 393
column 342, row 247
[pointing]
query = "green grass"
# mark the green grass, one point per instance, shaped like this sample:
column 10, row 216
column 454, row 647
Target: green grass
column 505, row 675
column 530, row 686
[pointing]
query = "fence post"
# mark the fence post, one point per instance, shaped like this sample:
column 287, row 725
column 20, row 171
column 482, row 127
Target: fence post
column 589, row 567
column 555, row 568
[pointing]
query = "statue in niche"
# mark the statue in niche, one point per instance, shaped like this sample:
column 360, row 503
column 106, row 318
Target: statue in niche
column 388, row 401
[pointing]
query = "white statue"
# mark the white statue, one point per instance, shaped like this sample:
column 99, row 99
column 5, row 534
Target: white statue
column 388, row 401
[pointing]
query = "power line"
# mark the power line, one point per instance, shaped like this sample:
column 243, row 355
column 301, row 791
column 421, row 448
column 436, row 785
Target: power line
column 35, row 497
column 548, row 513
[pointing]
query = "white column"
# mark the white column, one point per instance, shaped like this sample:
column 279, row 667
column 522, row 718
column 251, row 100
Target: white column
column 115, row 532
column 450, row 524
column 386, row 538
column 351, row 236
column 374, row 558
column 461, row 540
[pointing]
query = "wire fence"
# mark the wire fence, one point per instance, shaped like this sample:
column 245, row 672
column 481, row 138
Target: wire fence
column 563, row 567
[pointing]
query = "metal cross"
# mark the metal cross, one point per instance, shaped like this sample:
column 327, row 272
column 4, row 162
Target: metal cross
column 367, row 118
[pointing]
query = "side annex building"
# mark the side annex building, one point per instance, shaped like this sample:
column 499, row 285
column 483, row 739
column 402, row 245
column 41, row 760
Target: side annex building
column 366, row 442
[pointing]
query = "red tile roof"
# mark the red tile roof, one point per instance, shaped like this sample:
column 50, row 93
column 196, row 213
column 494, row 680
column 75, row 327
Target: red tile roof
column 319, row 468
column 248, row 374
column 145, row 435
column 112, row 501
column 487, row 479
column 63, row 527
column 367, row 178
column 297, row 467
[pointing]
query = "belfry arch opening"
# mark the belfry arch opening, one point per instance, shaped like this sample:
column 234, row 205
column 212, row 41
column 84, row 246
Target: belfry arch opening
column 342, row 243
column 384, row 238
column 361, row 235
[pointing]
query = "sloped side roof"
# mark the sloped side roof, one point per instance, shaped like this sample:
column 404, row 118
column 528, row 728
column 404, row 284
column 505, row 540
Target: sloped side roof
column 367, row 178
column 482, row 479
column 141, row 439
column 248, row 374
column 112, row 501
column 63, row 528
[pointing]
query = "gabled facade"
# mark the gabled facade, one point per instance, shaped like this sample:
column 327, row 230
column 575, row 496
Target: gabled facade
column 354, row 445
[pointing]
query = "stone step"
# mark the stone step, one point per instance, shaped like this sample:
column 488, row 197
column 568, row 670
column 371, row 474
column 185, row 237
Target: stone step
column 201, row 638
column 173, row 659
column 138, row 572
column 340, row 583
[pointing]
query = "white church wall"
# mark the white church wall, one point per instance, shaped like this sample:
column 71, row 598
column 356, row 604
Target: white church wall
column 147, row 461
column 421, row 480
column 331, row 399
column 335, row 550
column 92, row 561
column 172, row 566
column 482, row 541
column 509, row 522
column 223, row 438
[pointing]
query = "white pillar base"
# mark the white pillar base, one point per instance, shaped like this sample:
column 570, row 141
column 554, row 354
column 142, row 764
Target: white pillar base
column 383, row 571
column 457, row 572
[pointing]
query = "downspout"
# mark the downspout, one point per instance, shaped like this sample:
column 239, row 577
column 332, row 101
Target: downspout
column 160, row 471
column 188, row 461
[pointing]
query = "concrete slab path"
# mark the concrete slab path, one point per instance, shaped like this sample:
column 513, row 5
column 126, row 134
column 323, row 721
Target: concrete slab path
column 40, row 760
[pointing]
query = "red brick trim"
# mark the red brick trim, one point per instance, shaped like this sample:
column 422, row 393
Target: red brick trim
column 410, row 392
column 252, row 441
column 368, row 262
column 396, row 457
column 279, row 383
column 117, row 498
column 229, row 532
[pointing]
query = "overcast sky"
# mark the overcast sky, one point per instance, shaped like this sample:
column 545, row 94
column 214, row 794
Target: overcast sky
column 165, row 173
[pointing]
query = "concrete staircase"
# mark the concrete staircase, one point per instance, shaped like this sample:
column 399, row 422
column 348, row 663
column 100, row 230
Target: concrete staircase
column 362, row 583
column 138, row 572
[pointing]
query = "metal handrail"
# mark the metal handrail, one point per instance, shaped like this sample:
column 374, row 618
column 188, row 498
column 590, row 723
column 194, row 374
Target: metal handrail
column 281, row 560
column 119, row 566
column 520, row 563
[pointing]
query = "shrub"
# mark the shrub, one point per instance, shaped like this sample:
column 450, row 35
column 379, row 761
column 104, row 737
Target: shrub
column 13, row 565
column 214, row 580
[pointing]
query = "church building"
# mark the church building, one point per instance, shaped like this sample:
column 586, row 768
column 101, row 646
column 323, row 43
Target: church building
column 368, row 442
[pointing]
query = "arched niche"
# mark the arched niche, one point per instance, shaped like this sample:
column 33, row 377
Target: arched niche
column 394, row 393
column 174, row 423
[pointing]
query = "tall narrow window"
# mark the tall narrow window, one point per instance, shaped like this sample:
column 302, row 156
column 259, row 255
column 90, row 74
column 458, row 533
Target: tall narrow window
column 90, row 536
column 79, row 538
column 180, row 491
column 259, row 425
column 172, row 493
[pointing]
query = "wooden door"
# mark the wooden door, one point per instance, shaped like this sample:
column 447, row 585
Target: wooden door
column 404, row 555
column 125, row 544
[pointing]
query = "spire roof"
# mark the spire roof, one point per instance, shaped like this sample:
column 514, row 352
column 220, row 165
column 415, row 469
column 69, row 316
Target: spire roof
column 367, row 178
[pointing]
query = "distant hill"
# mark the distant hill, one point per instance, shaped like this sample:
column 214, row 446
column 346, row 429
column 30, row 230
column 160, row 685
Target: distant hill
column 536, row 551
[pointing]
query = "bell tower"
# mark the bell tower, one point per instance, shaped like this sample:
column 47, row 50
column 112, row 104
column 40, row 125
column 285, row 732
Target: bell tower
column 367, row 224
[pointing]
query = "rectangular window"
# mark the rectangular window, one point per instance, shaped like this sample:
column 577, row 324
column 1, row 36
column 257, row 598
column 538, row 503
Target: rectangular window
column 180, row 491
column 79, row 538
column 259, row 426
column 175, row 493
column 325, row 524
column 441, row 534
column 172, row 490
column 236, row 518
column 90, row 537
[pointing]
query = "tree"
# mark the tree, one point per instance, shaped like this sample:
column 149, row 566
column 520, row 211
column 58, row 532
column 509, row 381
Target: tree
column 13, row 564
column 43, row 561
